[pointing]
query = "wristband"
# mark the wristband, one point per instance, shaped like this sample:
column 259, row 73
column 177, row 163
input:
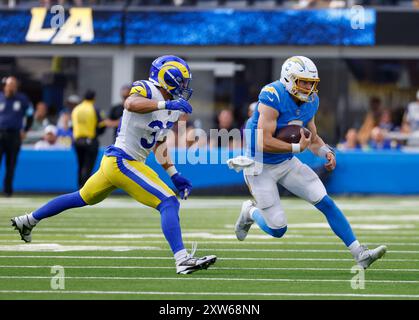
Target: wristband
column 171, row 171
column 296, row 147
column 161, row 105
column 324, row 150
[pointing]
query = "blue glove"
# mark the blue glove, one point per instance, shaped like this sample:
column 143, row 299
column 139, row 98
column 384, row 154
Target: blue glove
column 179, row 104
column 183, row 185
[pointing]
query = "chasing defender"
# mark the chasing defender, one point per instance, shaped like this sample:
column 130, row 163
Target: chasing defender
column 291, row 100
column 152, row 108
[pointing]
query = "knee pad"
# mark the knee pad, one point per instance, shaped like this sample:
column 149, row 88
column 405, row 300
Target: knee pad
column 169, row 202
column 275, row 217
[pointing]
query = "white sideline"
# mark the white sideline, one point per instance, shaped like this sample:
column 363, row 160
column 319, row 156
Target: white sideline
column 212, row 279
column 305, row 294
column 212, row 268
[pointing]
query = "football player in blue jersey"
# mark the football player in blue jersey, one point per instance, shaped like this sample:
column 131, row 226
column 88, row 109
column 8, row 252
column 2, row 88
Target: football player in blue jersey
column 292, row 99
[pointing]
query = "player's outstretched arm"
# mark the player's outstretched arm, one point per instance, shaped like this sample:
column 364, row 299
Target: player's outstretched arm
column 320, row 148
column 139, row 104
column 267, row 126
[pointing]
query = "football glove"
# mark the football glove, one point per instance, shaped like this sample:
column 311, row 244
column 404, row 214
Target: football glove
column 183, row 185
column 179, row 104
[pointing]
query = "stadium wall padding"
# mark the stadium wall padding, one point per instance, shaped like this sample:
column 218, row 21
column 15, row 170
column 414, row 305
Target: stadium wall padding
column 386, row 172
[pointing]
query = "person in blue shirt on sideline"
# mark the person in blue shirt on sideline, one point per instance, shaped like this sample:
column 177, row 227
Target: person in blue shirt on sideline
column 14, row 108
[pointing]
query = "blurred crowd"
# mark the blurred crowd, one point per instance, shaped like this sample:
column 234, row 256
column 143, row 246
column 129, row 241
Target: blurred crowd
column 384, row 128
column 294, row 4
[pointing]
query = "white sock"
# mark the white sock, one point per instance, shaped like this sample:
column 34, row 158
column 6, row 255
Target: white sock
column 355, row 248
column 180, row 255
column 32, row 220
column 253, row 209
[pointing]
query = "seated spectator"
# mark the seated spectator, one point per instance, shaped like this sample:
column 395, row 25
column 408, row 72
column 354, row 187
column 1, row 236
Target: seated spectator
column 49, row 141
column 380, row 142
column 225, row 123
column 371, row 120
column 186, row 134
column 386, row 120
column 40, row 122
column 64, row 132
column 351, row 141
column 411, row 122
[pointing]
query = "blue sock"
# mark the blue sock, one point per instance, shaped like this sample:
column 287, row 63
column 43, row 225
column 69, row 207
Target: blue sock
column 59, row 204
column 169, row 212
column 337, row 220
column 277, row 233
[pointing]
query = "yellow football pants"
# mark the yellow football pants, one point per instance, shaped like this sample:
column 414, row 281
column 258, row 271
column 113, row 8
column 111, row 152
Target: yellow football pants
column 134, row 177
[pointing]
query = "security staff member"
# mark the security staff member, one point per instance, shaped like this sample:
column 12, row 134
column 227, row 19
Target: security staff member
column 14, row 108
column 87, row 125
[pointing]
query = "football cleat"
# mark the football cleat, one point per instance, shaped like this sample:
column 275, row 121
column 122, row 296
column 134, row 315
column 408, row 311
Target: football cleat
column 24, row 226
column 367, row 256
column 191, row 264
column 244, row 222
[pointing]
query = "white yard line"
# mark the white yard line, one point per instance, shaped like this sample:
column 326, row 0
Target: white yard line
column 212, row 268
column 171, row 258
column 275, row 294
column 53, row 247
column 211, row 279
column 279, row 243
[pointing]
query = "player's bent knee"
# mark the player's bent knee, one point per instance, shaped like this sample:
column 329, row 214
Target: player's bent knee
column 279, row 233
column 169, row 202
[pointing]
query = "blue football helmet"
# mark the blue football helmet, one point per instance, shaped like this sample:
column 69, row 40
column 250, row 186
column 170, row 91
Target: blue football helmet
column 173, row 74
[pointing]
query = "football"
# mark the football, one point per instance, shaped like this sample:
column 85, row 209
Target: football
column 291, row 133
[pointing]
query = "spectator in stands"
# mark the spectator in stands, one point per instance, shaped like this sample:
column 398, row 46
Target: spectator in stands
column 116, row 111
column 226, row 125
column 351, row 141
column 380, row 142
column 185, row 134
column 64, row 126
column 15, row 107
column 39, row 124
column 50, row 141
column 386, row 120
column 411, row 121
column 371, row 120
column 87, row 125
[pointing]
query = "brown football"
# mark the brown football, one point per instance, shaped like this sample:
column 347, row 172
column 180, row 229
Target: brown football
column 291, row 133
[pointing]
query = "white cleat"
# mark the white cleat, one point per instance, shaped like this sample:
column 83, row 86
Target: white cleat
column 244, row 222
column 23, row 225
column 191, row 264
column 368, row 256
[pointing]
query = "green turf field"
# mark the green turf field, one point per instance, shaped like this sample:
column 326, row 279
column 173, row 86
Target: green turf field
column 116, row 250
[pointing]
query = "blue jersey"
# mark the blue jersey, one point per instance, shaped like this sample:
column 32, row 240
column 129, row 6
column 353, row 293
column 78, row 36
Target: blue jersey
column 276, row 96
column 13, row 110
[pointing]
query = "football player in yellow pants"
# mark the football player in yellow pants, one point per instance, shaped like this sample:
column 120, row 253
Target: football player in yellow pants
column 152, row 108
